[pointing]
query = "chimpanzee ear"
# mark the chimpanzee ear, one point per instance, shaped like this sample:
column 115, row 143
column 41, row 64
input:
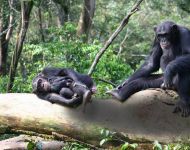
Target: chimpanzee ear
column 155, row 28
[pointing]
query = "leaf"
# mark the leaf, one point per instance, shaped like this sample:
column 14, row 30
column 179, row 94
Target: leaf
column 125, row 146
column 31, row 145
column 134, row 145
column 177, row 147
column 157, row 146
column 107, row 133
column 102, row 131
column 103, row 141
column 166, row 147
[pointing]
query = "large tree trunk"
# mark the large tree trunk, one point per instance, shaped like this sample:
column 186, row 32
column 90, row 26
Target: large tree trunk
column 146, row 116
column 26, row 7
column 63, row 7
column 86, row 18
column 40, row 24
column 6, row 28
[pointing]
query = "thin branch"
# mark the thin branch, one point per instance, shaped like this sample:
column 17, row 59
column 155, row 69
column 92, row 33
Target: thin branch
column 122, row 44
column 5, row 31
column 11, row 7
column 106, row 81
column 113, row 36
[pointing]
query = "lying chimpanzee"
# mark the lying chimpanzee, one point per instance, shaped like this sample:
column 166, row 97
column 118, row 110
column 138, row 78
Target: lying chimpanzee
column 63, row 86
column 171, row 53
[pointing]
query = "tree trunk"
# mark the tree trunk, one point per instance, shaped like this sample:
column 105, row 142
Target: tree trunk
column 26, row 7
column 86, row 18
column 40, row 24
column 63, row 15
column 4, row 10
column 144, row 117
column 63, row 7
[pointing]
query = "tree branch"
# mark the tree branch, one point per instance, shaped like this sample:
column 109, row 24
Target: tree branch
column 5, row 31
column 113, row 36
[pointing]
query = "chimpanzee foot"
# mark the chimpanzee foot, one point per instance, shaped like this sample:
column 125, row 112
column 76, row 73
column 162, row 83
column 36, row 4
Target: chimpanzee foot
column 164, row 87
column 115, row 94
column 86, row 99
column 182, row 107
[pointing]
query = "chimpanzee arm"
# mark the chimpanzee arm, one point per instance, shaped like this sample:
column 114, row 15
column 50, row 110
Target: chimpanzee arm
column 180, row 65
column 58, row 84
column 56, row 98
column 150, row 65
column 78, row 77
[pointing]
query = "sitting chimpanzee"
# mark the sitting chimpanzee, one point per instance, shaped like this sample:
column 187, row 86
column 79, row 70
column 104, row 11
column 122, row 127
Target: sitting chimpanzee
column 63, row 86
column 171, row 53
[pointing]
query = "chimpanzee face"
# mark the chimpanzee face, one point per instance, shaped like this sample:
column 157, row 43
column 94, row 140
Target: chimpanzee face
column 164, row 40
column 43, row 85
column 165, row 34
column 93, row 89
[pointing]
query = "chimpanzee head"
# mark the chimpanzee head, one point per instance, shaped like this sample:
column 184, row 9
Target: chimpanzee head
column 41, row 85
column 166, row 34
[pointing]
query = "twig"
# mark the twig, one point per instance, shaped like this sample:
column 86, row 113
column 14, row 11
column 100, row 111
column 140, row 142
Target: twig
column 106, row 81
column 11, row 7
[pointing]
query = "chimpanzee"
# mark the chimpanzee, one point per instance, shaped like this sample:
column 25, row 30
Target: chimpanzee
column 63, row 86
column 171, row 53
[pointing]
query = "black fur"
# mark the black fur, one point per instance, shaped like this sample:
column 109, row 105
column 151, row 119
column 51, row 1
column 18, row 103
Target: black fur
column 171, row 53
column 67, row 87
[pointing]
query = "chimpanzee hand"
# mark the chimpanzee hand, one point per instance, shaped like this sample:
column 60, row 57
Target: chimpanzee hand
column 59, row 83
column 167, row 84
column 183, row 107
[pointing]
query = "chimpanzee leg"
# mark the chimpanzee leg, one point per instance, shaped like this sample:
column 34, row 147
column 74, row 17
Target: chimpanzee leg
column 153, row 81
column 183, row 89
column 83, row 92
column 66, row 92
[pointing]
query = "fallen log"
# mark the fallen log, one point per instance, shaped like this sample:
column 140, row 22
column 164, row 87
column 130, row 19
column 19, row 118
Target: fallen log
column 145, row 116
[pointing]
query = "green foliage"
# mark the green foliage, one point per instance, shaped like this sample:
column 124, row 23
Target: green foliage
column 31, row 145
column 178, row 146
column 3, row 84
column 109, row 136
column 75, row 146
column 128, row 146
column 157, row 146
column 64, row 49
column 70, row 52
